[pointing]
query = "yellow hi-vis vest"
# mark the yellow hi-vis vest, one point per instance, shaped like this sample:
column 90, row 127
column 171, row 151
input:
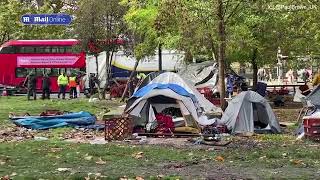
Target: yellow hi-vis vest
column 62, row 80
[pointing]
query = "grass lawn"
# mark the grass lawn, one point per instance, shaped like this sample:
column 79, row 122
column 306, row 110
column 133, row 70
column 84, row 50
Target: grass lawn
column 257, row 157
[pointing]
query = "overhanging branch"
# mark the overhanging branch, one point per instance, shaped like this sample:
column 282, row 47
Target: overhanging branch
column 233, row 11
column 225, row 9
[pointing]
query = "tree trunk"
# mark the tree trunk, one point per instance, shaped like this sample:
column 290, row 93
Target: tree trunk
column 129, row 81
column 188, row 56
column 109, row 70
column 221, row 57
column 100, row 93
column 107, row 75
column 97, row 64
column 160, row 56
column 254, row 68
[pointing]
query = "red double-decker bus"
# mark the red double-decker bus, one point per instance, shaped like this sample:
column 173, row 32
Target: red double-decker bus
column 19, row 57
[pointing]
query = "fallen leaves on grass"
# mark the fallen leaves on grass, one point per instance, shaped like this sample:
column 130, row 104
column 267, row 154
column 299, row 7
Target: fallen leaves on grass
column 160, row 176
column 63, row 169
column 220, row 158
column 137, row 155
column 101, row 162
column 139, row 178
column 54, row 150
column 96, row 176
column 2, row 162
column 87, row 157
column 263, row 157
column 14, row 134
column 297, row 162
column 7, row 177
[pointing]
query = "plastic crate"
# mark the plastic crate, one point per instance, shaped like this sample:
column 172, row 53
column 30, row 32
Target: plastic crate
column 118, row 127
column 312, row 127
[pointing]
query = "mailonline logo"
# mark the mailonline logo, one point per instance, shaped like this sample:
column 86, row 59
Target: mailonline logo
column 46, row 19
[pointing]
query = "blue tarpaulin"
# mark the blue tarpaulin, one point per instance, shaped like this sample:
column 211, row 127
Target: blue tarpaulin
column 79, row 119
column 174, row 87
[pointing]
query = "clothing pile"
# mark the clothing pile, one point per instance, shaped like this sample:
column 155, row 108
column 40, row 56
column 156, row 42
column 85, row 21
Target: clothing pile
column 164, row 124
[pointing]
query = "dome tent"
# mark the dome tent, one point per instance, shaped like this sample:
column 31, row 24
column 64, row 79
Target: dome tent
column 164, row 91
column 248, row 109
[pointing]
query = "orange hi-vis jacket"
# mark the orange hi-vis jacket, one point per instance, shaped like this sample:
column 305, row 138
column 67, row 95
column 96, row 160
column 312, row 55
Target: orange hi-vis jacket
column 72, row 82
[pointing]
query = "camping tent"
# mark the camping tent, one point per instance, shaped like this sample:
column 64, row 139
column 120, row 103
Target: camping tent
column 164, row 91
column 314, row 97
column 203, row 74
column 247, row 110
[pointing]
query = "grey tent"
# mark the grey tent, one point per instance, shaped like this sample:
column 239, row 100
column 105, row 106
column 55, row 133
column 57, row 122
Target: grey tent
column 247, row 110
column 164, row 91
column 314, row 97
column 201, row 74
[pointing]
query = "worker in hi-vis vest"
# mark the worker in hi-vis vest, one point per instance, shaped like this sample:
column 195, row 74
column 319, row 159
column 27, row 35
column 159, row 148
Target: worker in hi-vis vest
column 62, row 83
column 73, row 86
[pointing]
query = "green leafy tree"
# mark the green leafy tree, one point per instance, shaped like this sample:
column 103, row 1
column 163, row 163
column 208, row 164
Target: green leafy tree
column 98, row 24
column 12, row 10
column 199, row 27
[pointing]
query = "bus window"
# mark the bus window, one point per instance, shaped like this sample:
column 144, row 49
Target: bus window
column 69, row 71
column 40, row 49
column 26, row 49
column 62, row 70
column 47, row 71
column 54, row 72
column 39, row 71
column 47, row 49
column 62, row 49
column 7, row 50
column 68, row 49
column 55, row 49
column 21, row 72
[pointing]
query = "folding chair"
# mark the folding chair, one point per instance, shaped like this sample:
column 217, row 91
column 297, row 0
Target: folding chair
column 306, row 107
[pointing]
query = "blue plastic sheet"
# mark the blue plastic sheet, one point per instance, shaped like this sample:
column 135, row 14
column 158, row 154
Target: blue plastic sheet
column 174, row 87
column 79, row 119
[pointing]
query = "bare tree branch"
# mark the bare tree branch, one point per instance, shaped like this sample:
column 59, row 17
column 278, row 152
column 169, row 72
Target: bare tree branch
column 234, row 11
column 226, row 7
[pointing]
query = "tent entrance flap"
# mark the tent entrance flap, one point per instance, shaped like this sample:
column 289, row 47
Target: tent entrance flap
column 161, row 99
column 260, row 116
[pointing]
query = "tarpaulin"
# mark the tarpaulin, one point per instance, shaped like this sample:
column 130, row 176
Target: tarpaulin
column 79, row 119
column 174, row 87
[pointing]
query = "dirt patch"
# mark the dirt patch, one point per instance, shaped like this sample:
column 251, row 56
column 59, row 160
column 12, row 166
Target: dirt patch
column 287, row 115
column 207, row 169
column 16, row 134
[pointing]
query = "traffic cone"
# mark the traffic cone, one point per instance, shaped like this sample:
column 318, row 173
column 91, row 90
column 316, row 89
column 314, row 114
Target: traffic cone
column 4, row 92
